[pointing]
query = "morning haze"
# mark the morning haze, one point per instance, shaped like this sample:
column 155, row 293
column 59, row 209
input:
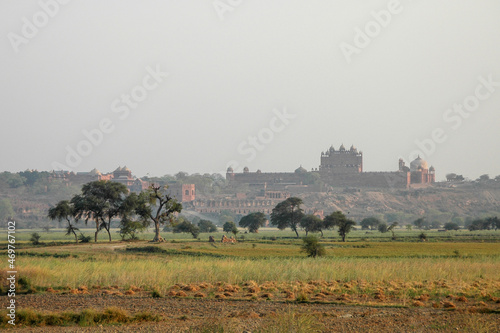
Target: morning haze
column 231, row 70
column 250, row 166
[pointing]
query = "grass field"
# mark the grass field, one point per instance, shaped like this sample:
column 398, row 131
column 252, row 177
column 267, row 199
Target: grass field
column 258, row 258
column 367, row 269
column 401, row 234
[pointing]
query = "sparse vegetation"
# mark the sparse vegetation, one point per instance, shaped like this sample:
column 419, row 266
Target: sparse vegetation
column 454, row 267
column 88, row 317
column 83, row 238
column 312, row 247
column 35, row 238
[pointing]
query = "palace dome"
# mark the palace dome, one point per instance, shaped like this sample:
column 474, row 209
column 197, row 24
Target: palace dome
column 95, row 172
column 418, row 164
column 300, row 170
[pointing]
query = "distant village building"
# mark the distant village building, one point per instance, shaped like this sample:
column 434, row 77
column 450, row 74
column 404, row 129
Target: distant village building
column 123, row 175
column 182, row 192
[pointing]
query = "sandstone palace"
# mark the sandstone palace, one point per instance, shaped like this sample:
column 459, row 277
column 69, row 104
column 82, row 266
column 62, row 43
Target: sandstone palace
column 342, row 168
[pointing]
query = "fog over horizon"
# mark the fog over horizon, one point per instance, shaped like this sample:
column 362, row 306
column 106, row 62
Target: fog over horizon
column 168, row 86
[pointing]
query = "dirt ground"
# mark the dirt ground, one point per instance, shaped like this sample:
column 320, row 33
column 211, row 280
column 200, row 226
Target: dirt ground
column 197, row 315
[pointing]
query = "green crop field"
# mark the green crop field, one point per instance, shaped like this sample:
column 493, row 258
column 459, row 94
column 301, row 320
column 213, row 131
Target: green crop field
column 449, row 270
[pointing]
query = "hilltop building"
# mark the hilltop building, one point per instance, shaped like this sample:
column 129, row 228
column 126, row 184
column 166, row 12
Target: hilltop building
column 341, row 168
column 419, row 172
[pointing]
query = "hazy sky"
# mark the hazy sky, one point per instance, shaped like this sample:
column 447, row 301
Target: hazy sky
column 267, row 84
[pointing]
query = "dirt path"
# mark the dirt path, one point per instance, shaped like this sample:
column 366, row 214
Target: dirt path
column 182, row 314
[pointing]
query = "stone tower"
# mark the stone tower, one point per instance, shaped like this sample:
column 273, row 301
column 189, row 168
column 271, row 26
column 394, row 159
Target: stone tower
column 341, row 161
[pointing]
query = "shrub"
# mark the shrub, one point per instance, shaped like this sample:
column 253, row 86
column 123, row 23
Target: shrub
column 83, row 238
column 302, row 298
column 312, row 247
column 35, row 238
column 24, row 282
column 291, row 321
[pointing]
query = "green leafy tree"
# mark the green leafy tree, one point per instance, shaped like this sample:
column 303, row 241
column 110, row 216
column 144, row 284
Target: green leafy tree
column 230, row 227
column 484, row 177
column 13, row 180
column 371, row 223
column 391, row 229
column 494, row 222
column 312, row 223
column 287, row 214
column 130, row 226
column 207, row 226
column 130, row 229
column 64, row 210
column 253, row 221
column 6, row 210
column 31, row 177
column 186, row 226
column 101, row 201
column 35, row 238
column 339, row 220
column 485, row 224
column 451, row 226
column 382, row 227
column 157, row 207
column 421, row 223
column 312, row 247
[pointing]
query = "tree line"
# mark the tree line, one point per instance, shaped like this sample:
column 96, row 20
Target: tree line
column 101, row 201
column 289, row 214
